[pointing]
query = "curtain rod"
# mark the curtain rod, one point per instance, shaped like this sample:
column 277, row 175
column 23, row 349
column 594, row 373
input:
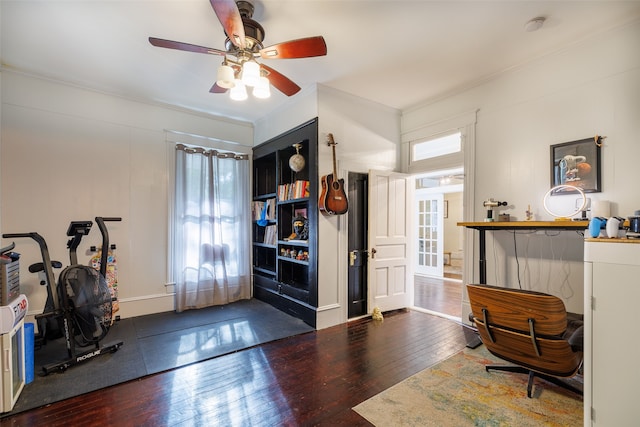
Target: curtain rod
column 216, row 153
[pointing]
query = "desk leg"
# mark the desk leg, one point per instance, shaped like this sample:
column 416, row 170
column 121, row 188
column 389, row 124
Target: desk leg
column 482, row 262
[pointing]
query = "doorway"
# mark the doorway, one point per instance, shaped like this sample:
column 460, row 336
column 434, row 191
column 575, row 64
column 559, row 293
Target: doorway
column 357, row 220
column 439, row 254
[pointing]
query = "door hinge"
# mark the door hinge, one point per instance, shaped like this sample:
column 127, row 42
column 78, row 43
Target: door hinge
column 593, row 414
column 593, row 303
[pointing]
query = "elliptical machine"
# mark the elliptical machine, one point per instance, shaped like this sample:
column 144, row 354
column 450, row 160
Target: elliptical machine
column 80, row 305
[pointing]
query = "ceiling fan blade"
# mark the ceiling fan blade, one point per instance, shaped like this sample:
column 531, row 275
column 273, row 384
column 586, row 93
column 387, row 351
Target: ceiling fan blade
column 217, row 89
column 299, row 48
column 170, row 44
column 229, row 16
column 280, row 81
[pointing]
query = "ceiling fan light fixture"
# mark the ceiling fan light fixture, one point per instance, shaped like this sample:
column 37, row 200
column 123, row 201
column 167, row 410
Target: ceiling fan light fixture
column 226, row 78
column 238, row 92
column 243, row 45
column 262, row 90
column 250, row 73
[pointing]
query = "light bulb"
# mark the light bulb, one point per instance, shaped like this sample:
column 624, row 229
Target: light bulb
column 262, row 89
column 250, row 73
column 238, row 92
column 225, row 77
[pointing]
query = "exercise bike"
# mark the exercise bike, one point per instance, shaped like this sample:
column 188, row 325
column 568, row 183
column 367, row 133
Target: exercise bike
column 79, row 307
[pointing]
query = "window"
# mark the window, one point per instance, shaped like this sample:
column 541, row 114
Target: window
column 436, row 147
column 210, row 228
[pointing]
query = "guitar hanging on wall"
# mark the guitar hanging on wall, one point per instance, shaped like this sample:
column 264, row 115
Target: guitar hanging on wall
column 333, row 199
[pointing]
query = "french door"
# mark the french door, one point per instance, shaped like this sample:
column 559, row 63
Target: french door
column 429, row 223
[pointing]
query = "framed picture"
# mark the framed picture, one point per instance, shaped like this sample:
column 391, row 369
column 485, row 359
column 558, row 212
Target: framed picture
column 300, row 212
column 576, row 163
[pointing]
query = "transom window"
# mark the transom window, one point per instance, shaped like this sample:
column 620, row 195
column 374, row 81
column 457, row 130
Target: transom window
column 436, row 147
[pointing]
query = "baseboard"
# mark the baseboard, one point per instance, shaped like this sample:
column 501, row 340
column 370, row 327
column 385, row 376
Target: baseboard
column 131, row 307
column 148, row 304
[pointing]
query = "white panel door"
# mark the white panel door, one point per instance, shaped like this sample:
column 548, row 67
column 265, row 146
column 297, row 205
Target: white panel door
column 390, row 276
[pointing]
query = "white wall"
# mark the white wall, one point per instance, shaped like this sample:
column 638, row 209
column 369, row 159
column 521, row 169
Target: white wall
column 452, row 233
column 591, row 88
column 72, row 154
column 299, row 109
column 367, row 136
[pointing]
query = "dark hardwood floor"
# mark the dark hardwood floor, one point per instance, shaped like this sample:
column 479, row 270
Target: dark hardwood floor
column 441, row 295
column 312, row 379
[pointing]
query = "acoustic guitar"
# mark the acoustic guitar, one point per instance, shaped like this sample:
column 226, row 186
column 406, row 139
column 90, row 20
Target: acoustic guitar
column 333, row 199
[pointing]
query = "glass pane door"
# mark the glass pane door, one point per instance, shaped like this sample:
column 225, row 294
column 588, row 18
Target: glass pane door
column 429, row 234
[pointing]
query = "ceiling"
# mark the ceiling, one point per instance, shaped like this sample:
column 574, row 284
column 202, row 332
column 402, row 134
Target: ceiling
column 398, row 53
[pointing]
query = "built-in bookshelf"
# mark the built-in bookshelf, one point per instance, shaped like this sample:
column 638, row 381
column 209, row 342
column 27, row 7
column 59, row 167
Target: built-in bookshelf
column 284, row 265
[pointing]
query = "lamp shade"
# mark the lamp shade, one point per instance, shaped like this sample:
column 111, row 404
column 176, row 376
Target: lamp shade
column 225, row 77
column 238, row 91
column 250, row 73
column 262, row 90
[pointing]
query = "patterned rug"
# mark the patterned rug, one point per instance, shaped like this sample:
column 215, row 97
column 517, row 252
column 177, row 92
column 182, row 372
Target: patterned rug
column 459, row 392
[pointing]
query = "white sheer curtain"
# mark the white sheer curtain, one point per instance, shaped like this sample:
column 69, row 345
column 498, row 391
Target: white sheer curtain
column 211, row 243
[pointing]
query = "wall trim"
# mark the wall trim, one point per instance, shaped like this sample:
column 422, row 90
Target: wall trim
column 329, row 307
column 177, row 136
column 427, row 130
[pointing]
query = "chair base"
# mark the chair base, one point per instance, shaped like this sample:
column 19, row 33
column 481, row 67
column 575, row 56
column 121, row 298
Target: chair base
column 532, row 374
column 471, row 336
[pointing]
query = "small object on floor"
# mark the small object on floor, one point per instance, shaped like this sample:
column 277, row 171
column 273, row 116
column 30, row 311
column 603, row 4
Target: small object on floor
column 377, row 314
column 472, row 336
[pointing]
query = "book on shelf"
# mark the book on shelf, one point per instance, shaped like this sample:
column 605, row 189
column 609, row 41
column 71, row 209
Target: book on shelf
column 258, row 206
column 295, row 190
column 270, row 235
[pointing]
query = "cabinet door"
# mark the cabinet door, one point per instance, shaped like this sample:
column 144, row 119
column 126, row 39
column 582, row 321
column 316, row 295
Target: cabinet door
column 616, row 348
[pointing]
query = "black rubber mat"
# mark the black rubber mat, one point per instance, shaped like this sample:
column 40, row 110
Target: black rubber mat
column 156, row 343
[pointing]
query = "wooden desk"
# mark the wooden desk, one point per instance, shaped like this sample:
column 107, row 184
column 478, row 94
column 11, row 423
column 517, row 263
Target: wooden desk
column 482, row 228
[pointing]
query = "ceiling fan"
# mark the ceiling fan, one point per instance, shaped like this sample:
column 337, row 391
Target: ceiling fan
column 243, row 46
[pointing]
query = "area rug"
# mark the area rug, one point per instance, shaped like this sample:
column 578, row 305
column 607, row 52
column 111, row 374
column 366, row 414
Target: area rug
column 156, row 343
column 459, row 392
